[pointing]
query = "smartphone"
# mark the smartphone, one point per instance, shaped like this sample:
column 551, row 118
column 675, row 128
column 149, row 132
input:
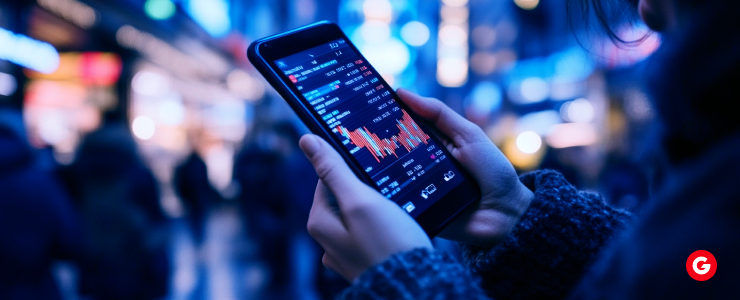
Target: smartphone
column 342, row 98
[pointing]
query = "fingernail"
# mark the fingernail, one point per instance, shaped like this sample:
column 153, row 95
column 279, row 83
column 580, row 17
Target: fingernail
column 310, row 145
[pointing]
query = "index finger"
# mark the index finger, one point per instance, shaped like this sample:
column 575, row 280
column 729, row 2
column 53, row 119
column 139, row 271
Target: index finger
column 333, row 171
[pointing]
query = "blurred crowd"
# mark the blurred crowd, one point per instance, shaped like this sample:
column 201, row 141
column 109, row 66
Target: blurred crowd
column 102, row 214
column 143, row 157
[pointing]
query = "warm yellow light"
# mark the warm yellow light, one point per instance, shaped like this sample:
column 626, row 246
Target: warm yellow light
column 527, row 4
column 521, row 160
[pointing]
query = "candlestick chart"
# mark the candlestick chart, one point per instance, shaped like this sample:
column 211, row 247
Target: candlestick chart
column 409, row 137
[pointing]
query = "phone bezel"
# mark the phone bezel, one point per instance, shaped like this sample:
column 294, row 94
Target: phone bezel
column 264, row 52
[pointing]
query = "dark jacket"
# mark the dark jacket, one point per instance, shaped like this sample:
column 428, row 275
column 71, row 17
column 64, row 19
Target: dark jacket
column 37, row 224
column 571, row 244
column 125, row 232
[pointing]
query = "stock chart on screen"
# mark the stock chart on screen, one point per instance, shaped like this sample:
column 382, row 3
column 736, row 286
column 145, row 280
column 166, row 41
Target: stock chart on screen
column 356, row 105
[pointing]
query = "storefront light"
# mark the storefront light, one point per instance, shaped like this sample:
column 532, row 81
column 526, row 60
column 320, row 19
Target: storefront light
column 73, row 11
column 27, row 52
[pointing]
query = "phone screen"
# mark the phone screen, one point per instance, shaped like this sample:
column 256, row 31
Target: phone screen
column 397, row 152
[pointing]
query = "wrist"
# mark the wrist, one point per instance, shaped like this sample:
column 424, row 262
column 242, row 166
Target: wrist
column 503, row 216
column 486, row 224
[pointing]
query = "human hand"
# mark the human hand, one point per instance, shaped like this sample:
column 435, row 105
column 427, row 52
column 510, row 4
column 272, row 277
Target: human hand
column 504, row 199
column 357, row 227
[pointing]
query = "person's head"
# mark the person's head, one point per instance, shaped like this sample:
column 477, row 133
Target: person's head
column 662, row 16
column 691, row 77
column 659, row 15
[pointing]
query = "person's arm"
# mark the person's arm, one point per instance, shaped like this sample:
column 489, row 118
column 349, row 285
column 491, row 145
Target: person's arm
column 544, row 257
column 417, row 274
column 551, row 248
column 364, row 234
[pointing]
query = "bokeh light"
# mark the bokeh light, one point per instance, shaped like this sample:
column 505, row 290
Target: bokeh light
column 483, row 63
column 455, row 2
column 245, row 86
column 534, row 89
column 572, row 135
column 212, row 15
column 483, row 36
column 150, row 84
column 453, row 35
column 8, row 84
column 486, row 97
column 415, row 33
column 377, row 55
column 27, row 52
column 171, row 111
column 528, row 142
column 143, row 127
column 378, row 10
column 159, row 9
column 375, row 31
column 527, row 4
column 578, row 111
column 452, row 71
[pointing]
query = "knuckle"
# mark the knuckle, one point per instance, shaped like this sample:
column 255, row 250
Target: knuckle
column 328, row 262
column 359, row 209
column 471, row 133
column 325, row 169
column 325, row 260
column 313, row 227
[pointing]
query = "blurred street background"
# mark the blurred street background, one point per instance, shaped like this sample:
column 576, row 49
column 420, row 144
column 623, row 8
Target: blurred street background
column 180, row 164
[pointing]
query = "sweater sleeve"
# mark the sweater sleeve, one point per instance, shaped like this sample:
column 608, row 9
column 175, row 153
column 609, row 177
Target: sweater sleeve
column 417, row 274
column 550, row 249
column 543, row 258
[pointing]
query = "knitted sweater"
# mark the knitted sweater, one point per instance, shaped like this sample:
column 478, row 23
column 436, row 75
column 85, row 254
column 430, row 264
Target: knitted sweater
column 543, row 257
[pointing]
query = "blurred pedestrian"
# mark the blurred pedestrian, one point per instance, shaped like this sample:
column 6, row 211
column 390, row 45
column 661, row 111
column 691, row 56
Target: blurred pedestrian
column 124, row 226
column 197, row 194
column 277, row 185
column 38, row 224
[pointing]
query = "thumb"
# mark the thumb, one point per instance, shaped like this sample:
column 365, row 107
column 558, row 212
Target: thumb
column 331, row 168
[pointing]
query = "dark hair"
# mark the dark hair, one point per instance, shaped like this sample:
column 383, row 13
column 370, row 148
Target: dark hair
column 606, row 13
